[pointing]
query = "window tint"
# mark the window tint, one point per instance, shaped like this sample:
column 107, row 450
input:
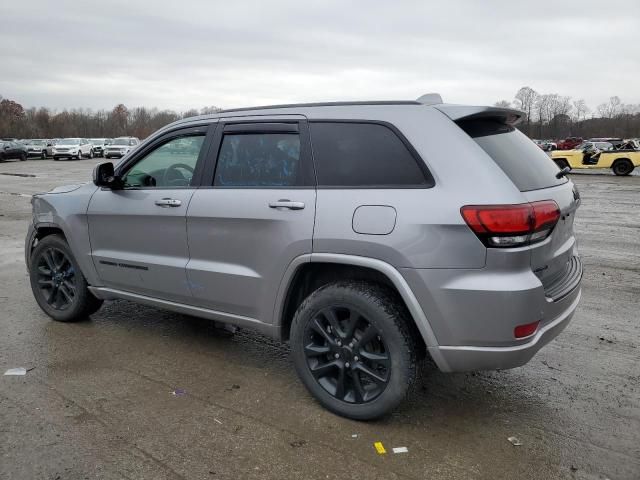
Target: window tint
column 170, row 165
column 528, row 167
column 259, row 160
column 363, row 154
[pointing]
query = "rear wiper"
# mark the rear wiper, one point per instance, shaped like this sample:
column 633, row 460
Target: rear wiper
column 563, row 172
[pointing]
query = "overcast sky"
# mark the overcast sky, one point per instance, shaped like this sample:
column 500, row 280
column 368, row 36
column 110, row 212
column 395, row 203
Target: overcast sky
column 187, row 54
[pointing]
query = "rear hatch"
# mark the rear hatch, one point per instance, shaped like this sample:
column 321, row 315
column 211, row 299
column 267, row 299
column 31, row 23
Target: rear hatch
column 534, row 174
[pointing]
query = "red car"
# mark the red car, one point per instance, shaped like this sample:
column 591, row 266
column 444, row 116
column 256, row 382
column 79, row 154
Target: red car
column 569, row 143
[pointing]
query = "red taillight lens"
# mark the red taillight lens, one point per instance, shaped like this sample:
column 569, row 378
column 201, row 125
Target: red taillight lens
column 512, row 225
column 526, row 330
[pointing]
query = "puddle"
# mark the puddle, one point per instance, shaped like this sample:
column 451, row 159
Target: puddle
column 18, row 174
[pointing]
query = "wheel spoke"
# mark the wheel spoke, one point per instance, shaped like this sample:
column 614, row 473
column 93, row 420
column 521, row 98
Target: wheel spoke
column 352, row 322
column 323, row 369
column 371, row 374
column 44, row 271
column 48, row 258
column 53, row 296
column 358, row 389
column 340, row 384
column 66, row 293
column 368, row 335
column 43, row 282
column 332, row 318
column 318, row 328
column 312, row 350
column 378, row 358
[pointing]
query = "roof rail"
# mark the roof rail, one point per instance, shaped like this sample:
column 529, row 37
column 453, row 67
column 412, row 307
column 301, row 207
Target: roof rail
column 430, row 99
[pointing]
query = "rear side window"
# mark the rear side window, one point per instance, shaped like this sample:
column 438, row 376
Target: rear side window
column 364, row 155
column 259, row 160
column 526, row 165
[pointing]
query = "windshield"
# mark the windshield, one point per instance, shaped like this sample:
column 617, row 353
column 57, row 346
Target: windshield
column 97, row 141
column 37, row 142
column 120, row 141
column 69, row 141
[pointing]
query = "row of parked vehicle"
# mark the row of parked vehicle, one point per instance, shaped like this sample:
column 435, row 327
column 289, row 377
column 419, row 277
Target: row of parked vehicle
column 69, row 148
column 571, row 143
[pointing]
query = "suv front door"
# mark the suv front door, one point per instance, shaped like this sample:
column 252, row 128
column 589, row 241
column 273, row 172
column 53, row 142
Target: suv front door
column 138, row 233
column 255, row 216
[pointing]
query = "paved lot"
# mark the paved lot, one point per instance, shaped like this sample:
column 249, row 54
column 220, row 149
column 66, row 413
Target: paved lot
column 98, row 401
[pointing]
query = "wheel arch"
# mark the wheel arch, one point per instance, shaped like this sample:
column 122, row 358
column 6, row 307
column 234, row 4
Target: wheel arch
column 309, row 272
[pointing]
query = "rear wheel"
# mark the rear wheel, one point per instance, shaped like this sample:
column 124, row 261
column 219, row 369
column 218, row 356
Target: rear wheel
column 353, row 350
column 622, row 167
column 57, row 282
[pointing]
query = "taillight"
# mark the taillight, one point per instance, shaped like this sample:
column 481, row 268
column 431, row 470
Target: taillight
column 522, row 331
column 512, row 225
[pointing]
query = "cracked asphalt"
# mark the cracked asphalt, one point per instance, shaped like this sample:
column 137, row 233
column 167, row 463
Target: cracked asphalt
column 99, row 401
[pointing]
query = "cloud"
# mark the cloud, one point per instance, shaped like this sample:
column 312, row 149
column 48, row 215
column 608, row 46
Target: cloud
column 181, row 55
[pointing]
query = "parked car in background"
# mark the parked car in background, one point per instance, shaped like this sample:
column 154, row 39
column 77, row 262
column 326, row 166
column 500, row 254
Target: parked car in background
column 598, row 155
column 546, row 145
column 120, row 146
column 569, row 143
column 366, row 255
column 12, row 150
column 98, row 146
column 72, row 148
column 616, row 142
column 39, row 148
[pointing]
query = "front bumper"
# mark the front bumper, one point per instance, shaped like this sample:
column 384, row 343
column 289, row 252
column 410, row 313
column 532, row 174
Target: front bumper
column 113, row 154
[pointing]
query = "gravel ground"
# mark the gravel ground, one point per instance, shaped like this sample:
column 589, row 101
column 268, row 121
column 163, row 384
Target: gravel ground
column 99, row 404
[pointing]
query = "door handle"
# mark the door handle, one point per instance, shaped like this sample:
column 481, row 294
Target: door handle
column 168, row 202
column 287, row 204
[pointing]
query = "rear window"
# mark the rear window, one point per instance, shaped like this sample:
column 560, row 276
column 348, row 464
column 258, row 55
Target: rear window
column 528, row 167
column 350, row 154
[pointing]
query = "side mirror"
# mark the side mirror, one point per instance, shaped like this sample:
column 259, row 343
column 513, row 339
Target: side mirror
column 104, row 176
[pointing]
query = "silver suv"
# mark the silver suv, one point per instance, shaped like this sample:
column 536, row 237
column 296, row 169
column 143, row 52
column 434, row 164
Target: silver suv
column 367, row 234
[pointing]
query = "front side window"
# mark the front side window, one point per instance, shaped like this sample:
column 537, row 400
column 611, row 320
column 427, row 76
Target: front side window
column 170, row 165
column 259, row 160
column 363, row 155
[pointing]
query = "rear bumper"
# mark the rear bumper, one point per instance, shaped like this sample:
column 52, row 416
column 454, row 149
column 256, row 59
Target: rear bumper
column 467, row 358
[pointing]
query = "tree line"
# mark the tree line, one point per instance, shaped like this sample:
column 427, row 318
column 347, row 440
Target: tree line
column 547, row 115
column 553, row 116
column 19, row 122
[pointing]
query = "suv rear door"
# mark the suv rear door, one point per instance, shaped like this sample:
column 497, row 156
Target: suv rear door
column 253, row 214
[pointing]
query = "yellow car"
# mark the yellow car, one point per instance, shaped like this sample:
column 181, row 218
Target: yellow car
column 622, row 162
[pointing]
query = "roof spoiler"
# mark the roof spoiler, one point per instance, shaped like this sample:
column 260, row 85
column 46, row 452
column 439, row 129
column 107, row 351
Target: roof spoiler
column 456, row 113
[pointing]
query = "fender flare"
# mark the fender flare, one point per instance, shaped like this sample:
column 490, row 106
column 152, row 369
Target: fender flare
column 398, row 281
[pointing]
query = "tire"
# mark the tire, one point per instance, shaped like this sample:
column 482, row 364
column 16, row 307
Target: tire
column 57, row 282
column 90, row 154
column 79, row 156
column 376, row 360
column 43, row 155
column 562, row 163
column 622, row 167
column 23, row 157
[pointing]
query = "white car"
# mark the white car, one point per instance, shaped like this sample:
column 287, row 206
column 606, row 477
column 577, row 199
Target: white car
column 120, row 146
column 72, row 148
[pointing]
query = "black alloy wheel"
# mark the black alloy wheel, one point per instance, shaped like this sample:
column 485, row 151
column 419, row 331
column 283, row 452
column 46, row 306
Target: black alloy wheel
column 347, row 355
column 56, row 278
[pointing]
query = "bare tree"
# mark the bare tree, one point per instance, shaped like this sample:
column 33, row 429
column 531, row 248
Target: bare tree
column 580, row 110
column 526, row 100
column 611, row 108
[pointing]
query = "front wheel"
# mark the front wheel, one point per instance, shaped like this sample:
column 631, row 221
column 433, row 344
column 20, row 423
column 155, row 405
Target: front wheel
column 353, row 350
column 90, row 153
column 622, row 167
column 57, row 282
column 23, row 157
